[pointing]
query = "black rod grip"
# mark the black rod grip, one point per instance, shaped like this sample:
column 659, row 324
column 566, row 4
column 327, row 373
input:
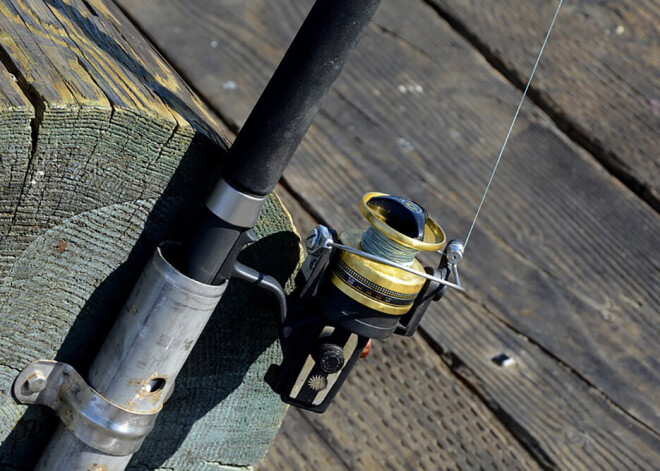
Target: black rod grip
column 281, row 117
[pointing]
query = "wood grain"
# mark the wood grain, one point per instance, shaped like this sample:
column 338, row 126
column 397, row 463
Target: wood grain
column 600, row 77
column 95, row 100
column 563, row 421
column 564, row 254
column 299, row 447
column 105, row 152
column 401, row 409
column 16, row 114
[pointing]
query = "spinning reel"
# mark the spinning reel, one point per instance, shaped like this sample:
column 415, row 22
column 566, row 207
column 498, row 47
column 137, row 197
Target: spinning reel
column 359, row 286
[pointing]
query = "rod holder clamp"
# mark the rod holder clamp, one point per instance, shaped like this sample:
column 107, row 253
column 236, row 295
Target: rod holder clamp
column 93, row 419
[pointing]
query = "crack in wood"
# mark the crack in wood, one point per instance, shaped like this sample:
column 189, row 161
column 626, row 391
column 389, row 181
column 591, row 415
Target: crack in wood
column 32, row 96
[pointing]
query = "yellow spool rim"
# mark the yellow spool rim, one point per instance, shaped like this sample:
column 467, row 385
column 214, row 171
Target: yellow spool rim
column 434, row 237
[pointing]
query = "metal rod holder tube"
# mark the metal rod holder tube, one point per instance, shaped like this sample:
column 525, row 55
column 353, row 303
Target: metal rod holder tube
column 141, row 357
column 66, row 452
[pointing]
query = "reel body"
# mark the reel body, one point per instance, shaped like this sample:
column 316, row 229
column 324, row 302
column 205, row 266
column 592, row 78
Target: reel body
column 359, row 286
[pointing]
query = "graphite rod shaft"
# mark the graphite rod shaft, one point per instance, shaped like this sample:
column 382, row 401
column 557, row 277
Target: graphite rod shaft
column 278, row 123
column 294, row 95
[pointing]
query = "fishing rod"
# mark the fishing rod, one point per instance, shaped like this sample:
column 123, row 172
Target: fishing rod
column 357, row 285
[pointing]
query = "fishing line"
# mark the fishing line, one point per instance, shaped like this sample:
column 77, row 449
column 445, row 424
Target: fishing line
column 513, row 122
column 376, row 243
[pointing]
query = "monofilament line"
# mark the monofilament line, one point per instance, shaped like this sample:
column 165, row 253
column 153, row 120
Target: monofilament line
column 513, row 122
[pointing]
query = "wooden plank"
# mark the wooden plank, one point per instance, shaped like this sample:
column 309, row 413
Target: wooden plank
column 563, row 421
column 599, row 78
column 105, row 152
column 401, row 409
column 298, row 447
column 564, row 254
column 86, row 106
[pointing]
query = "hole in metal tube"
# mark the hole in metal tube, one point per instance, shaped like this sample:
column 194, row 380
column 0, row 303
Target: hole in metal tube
column 155, row 384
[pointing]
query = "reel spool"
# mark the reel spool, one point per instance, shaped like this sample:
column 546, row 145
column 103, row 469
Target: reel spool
column 399, row 230
column 358, row 286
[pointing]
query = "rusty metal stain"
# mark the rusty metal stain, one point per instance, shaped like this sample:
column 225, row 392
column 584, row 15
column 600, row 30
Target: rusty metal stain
column 62, row 245
column 97, row 467
column 155, row 397
column 144, row 392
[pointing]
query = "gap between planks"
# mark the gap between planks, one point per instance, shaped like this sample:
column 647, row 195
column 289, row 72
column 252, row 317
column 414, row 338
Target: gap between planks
column 608, row 159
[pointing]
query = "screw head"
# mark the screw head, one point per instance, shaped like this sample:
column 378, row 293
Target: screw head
column 36, row 382
column 504, row 360
column 330, row 358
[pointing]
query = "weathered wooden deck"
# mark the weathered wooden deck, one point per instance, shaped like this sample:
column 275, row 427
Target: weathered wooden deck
column 563, row 270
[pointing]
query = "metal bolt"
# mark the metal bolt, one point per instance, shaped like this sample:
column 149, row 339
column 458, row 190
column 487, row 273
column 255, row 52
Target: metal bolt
column 455, row 250
column 36, row 382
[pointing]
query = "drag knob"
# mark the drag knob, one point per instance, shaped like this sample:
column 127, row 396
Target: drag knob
column 401, row 214
column 330, row 357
